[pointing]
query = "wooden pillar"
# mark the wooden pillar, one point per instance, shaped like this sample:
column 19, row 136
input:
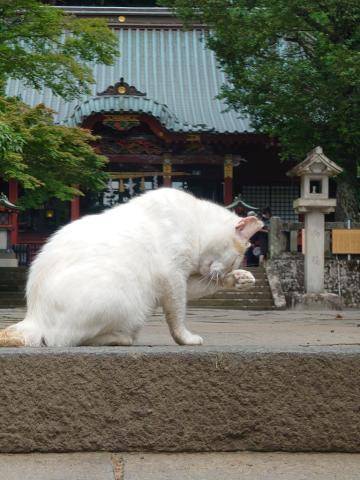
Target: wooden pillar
column 228, row 179
column 167, row 170
column 13, row 197
column 75, row 208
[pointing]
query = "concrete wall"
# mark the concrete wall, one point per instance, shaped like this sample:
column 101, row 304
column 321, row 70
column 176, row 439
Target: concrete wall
column 180, row 399
column 341, row 277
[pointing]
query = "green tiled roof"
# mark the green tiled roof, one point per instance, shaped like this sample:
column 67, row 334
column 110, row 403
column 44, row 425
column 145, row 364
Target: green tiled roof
column 173, row 67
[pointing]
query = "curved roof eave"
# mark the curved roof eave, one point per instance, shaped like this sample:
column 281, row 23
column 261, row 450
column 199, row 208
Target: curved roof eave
column 131, row 104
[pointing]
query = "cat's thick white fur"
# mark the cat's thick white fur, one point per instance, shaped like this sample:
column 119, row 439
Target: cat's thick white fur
column 97, row 279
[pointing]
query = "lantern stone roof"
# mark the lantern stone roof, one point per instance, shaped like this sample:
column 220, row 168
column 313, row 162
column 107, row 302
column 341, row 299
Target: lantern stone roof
column 177, row 78
column 316, row 162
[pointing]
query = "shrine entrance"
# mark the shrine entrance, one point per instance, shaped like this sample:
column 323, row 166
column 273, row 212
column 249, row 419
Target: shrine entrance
column 143, row 156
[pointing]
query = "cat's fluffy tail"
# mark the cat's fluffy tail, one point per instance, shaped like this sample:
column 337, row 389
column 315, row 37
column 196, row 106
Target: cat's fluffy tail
column 10, row 337
column 23, row 334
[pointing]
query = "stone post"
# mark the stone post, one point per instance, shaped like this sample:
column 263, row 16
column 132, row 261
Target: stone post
column 277, row 240
column 314, row 256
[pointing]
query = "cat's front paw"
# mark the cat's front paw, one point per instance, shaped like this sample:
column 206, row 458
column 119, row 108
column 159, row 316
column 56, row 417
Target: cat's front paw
column 188, row 338
column 243, row 279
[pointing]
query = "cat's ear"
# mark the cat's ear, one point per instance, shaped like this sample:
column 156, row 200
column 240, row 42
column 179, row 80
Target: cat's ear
column 247, row 227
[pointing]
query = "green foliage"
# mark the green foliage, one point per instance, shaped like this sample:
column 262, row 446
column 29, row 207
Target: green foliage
column 35, row 49
column 294, row 67
column 44, row 47
column 47, row 159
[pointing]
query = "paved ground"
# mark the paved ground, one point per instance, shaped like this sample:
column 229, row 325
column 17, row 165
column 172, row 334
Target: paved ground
column 201, row 466
column 250, row 328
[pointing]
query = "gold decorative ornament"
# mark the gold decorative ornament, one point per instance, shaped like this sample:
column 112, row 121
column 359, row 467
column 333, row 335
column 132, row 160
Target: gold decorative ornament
column 193, row 138
column 228, row 167
column 122, row 89
column 167, row 169
column 122, row 19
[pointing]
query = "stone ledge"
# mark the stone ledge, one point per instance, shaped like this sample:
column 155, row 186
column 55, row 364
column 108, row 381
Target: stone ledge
column 180, row 399
column 316, row 301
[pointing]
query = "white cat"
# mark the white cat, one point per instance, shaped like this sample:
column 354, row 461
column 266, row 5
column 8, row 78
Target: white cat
column 97, row 279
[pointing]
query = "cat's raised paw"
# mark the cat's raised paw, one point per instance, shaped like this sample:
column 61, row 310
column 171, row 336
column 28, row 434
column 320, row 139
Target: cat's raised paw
column 243, row 279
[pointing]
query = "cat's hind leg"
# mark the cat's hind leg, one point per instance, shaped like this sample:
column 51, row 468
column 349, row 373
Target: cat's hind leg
column 174, row 305
column 110, row 339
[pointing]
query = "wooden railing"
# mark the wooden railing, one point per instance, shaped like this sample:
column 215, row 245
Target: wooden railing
column 288, row 237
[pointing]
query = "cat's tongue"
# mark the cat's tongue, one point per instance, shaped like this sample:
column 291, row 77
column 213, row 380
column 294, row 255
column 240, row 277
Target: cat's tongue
column 247, row 227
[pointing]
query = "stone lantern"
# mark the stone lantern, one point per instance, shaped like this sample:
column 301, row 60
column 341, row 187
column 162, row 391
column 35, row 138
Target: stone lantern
column 314, row 203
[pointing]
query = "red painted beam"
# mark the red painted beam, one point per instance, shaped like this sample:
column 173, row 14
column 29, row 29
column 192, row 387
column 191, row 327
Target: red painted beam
column 228, row 191
column 75, row 208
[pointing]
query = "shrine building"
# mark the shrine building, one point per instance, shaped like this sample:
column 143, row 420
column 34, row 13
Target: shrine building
column 160, row 123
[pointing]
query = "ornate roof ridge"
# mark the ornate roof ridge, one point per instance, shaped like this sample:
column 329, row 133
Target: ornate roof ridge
column 151, row 11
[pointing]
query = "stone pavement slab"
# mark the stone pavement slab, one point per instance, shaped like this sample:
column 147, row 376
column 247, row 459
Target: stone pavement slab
column 285, row 328
column 64, row 466
column 241, row 466
column 181, row 466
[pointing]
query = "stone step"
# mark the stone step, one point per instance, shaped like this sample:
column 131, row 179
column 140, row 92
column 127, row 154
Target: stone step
column 12, row 287
column 242, row 295
column 12, row 299
column 260, row 277
column 255, row 288
column 12, row 303
column 232, row 304
column 9, row 292
column 176, row 399
column 13, row 271
column 256, row 270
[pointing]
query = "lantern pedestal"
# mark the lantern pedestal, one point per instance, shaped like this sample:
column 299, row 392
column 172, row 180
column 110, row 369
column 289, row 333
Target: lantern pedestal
column 316, row 301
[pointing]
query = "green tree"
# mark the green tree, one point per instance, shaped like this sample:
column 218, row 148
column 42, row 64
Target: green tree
column 44, row 47
column 294, row 67
column 48, row 160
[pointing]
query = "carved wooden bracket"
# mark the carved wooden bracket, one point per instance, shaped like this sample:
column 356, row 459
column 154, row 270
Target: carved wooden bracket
column 122, row 88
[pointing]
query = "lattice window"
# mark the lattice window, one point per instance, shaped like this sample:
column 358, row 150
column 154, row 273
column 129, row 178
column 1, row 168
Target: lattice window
column 256, row 195
column 278, row 197
column 282, row 197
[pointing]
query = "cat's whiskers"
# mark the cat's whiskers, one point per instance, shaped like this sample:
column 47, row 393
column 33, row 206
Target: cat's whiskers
column 206, row 280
